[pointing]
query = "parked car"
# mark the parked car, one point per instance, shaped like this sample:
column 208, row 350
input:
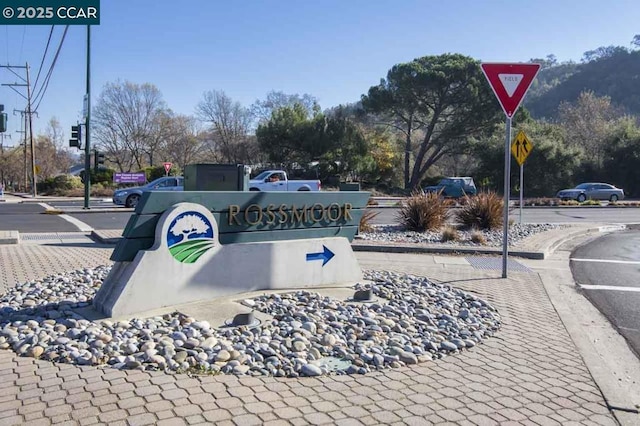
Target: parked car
column 455, row 187
column 276, row 180
column 129, row 197
column 592, row 190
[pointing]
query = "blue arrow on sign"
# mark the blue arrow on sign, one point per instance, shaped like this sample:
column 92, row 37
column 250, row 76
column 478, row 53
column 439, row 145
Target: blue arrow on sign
column 325, row 255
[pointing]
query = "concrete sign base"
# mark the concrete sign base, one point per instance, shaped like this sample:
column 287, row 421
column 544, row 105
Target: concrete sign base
column 187, row 264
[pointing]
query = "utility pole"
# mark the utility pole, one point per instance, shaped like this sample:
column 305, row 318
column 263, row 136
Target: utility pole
column 23, row 123
column 87, row 141
column 33, row 150
column 28, row 116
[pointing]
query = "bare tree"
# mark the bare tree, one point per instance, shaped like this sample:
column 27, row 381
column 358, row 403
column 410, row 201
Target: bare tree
column 12, row 167
column 588, row 122
column 126, row 123
column 62, row 158
column 182, row 142
column 230, row 124
column 262, row 109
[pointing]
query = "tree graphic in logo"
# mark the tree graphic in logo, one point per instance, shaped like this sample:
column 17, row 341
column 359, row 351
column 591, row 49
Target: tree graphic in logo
column 190, row 235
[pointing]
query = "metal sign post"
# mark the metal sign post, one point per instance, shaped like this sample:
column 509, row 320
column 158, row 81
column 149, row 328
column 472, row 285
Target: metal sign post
column 507, row 190
column 510, row 83
column 521, row 190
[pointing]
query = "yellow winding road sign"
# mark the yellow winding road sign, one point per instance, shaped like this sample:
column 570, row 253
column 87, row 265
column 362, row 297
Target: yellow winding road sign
column 521, row 147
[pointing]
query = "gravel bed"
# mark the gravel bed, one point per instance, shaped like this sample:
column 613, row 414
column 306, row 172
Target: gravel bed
column 396, row 233
column 410, row 320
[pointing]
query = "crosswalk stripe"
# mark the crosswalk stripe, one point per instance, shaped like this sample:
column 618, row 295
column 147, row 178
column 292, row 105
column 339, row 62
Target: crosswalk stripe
column 609, row 287
column 624, row 262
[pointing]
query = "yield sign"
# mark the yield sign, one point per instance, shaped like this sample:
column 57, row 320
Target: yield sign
column 167, row 166
column 510, row 82
column 521, row 147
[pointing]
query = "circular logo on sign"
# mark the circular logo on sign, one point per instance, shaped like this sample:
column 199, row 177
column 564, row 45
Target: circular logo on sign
column 190, row 235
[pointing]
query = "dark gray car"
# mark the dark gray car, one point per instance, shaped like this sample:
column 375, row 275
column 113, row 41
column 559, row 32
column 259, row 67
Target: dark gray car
column 129, row 197
column 593, row 191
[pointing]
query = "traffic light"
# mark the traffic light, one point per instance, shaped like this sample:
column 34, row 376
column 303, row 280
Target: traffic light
column 76, row 136
column 3, row 122
column 98, row 160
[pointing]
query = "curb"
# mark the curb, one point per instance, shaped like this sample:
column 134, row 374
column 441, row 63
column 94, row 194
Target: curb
column 9, row 237
column 103, row 239
column 538, row 255
column 99, row 210
column 541, row 253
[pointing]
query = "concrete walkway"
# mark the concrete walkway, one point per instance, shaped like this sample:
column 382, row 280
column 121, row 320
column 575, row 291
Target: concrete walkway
column 555, row 361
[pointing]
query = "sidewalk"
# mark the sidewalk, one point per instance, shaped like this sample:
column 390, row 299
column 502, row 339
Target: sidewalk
column 545, row 366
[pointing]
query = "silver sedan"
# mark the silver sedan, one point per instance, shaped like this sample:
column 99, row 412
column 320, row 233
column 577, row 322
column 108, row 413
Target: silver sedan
column 592, row 190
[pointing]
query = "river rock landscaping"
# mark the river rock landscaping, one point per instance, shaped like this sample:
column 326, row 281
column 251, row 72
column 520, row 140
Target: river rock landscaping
column 493, row 238
column 409, row 320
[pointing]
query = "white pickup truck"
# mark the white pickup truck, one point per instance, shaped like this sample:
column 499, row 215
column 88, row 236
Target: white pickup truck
column 276, row 180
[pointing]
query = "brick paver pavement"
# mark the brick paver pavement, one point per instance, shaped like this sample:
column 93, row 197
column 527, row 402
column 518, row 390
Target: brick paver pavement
column 529, row 373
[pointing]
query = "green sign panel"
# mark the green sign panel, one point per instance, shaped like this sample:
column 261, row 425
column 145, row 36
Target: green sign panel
column 244, row 217
column 50, row 12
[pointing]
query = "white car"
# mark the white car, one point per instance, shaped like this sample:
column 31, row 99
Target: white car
column 276, row 180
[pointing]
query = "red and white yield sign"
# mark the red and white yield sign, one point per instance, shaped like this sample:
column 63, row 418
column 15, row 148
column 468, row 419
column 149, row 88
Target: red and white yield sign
column 167, row 167
column 510, row 82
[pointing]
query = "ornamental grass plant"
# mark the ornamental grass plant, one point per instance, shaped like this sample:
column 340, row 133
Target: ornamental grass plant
column 365, row 221
column 482, row 211
column 423, row 211
column 450, row 233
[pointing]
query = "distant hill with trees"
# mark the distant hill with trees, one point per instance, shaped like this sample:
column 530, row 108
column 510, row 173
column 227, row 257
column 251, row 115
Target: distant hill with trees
column 612, row 71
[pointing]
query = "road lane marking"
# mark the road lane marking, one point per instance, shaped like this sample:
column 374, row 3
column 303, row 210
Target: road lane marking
column 83, row 227
column 76, row 222
column 609, row 287
column 623, row 262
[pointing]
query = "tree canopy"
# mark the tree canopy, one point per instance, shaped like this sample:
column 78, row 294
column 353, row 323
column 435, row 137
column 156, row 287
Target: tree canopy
column 438, row 103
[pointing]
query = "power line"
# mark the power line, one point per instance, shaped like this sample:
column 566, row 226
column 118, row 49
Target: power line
column 45, row 84
column 24, row 30
column 46, row 49
column 7, row 32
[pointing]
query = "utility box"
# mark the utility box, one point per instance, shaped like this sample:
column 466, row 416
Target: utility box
column 349, row 186
column 216, row 177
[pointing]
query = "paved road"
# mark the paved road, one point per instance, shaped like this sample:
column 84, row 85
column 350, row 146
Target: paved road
column 608, row 271
column 29, row 217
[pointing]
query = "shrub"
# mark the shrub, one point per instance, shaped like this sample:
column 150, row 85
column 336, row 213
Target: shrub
column 590, row 203
column 365, row 221
column 569, row 203
column 423, row 211
column 541, row 202
column 478, row 237
column 59, row 184
column 155, row 172
column 101, row 175
column 63, row 182
column 449, row 233
column 483, row 211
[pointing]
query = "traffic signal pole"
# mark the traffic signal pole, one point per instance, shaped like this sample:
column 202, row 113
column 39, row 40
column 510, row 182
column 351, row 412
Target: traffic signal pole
column 87, row 148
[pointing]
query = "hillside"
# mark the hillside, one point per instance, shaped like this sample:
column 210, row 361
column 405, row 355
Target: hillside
column 616, row 75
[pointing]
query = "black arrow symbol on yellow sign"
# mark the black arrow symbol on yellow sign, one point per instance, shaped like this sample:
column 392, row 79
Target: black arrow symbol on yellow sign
column 525, row 148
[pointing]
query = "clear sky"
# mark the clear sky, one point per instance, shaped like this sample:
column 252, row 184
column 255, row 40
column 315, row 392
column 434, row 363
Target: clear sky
column 332, row 49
